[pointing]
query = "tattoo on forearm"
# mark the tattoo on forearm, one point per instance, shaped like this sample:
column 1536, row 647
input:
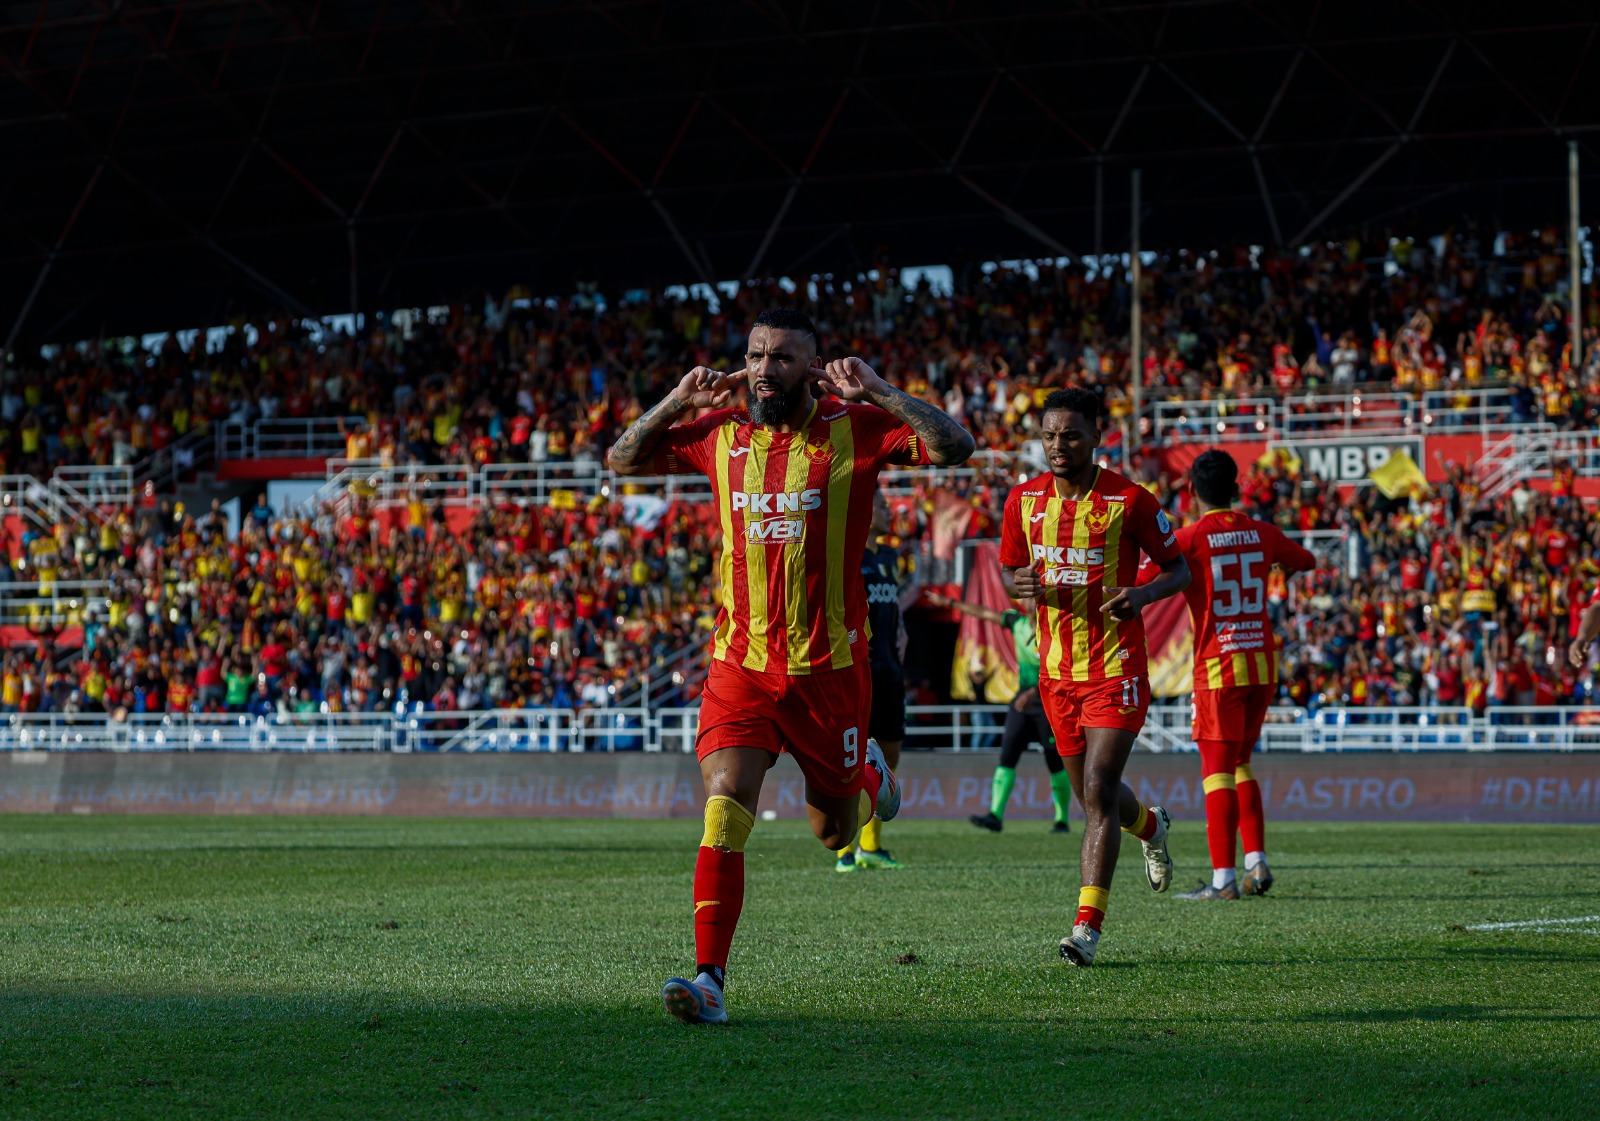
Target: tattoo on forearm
column 636, row 445
column 948, row 442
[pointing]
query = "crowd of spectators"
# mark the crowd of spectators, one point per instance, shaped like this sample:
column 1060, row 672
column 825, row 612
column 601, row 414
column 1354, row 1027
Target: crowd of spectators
column 1439, row 599
column 521, row 379
column 353, row 612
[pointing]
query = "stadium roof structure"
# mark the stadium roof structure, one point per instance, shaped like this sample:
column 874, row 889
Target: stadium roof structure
column 167, row 163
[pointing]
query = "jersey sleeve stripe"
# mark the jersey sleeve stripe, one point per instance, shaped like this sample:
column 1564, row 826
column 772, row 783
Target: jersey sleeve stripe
column 719, row 465
column 755, row 560
column 797, row 620
column 840, row 481
column 1113, row 565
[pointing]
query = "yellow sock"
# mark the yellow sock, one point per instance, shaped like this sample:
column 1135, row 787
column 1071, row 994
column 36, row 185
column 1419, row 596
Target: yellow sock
column 872, row 835
column 1140, row 823
column 848, row 849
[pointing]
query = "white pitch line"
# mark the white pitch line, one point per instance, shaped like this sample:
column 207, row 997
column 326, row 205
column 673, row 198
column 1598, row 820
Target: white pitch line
column 1533, row 924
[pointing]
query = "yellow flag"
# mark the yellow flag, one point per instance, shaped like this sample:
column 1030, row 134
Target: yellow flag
column 1282, row 459
column 1399, row 477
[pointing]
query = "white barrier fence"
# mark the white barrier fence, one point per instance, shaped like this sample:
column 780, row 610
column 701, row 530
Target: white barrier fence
column 933, row 727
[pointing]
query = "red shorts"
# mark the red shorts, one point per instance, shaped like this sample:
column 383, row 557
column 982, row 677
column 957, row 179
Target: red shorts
column 1232, row 714
column 1072, row 706
column 820, row 719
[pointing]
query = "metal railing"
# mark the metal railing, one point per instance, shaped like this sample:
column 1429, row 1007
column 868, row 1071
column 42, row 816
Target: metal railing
column 957, row 728
column 162, row 470
column 51, row 603
column 314, row 437
column 1534, row 455
column 1455, row 412
column 88, row 494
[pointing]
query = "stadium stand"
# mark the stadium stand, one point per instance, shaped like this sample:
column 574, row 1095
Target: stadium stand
column 469, row 551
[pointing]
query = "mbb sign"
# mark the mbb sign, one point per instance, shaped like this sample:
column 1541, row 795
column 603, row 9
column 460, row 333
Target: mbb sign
column 1350, row 461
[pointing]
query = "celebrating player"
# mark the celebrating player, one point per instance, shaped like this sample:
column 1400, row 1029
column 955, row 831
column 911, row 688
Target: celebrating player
column 1070, row 541
column 793, row 475
column 886, row 726
column 1235, row 664
column 1025, row 719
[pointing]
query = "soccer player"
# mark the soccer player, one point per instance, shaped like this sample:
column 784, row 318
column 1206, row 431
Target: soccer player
column 886, row 725
column 1070, row 541
column 793, row 474
column 1235, row 664
column 1025, row 719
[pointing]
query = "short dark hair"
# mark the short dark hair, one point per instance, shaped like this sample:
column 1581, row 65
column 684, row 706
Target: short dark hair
column 1215, row 477
column 1085, row 402
column 786, row 319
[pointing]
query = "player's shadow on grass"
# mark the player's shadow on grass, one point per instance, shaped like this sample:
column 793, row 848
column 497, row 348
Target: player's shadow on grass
column 70, row 1051
column 1441, row 1014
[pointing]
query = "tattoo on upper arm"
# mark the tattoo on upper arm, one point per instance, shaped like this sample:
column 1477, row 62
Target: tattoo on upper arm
column 948, row 443
column 635, row 445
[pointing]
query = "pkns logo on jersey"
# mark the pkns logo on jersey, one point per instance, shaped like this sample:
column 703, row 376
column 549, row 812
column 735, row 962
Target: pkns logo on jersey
column 776, row 530
column 1066, row 566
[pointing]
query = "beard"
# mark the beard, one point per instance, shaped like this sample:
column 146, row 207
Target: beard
column 774, row 410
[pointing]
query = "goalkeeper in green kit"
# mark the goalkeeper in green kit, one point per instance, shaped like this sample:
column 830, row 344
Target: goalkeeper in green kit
column 1025, row 721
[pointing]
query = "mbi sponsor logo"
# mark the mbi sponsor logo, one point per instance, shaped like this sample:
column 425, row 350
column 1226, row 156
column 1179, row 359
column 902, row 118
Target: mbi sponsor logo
column 782, row 502
column 776, row 530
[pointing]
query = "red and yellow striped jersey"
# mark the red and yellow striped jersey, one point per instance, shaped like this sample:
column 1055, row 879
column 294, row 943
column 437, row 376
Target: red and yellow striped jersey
column 1082, row 548
column 795, row 510
column 1229, row 557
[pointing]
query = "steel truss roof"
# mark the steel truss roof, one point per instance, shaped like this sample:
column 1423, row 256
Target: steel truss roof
column 168, row 162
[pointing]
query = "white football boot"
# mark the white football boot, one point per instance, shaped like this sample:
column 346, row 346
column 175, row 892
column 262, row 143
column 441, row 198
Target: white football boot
column 1157, row 861
column 888, row 786
column 695, row 1002
column 1078, row 948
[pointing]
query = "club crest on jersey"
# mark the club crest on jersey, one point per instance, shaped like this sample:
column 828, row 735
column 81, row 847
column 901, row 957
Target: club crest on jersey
column 1098, row 520
column 819, row 449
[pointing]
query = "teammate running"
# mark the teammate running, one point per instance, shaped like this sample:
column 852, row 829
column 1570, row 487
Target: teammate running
column 1235, row 664
column 886, row 726
column 1025, row 719
column 793, row 475
column 1070, row 540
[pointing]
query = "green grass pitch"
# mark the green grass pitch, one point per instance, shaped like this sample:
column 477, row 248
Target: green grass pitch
column 209, row 967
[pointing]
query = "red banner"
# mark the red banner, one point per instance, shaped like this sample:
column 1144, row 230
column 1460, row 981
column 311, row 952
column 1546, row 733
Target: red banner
column 985, row 665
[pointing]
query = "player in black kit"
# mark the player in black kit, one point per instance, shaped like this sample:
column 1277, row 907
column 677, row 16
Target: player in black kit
column 880, row 568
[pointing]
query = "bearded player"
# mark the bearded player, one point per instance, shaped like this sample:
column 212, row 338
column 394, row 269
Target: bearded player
column 1070, row 541
column 1235, row 664
column 793, row 475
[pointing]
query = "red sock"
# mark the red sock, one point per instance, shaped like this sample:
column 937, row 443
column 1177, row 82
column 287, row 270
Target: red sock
column 1092, row 905
column 718, row 899
column 1252, row 821
column 871, row 780
column 1222, row 801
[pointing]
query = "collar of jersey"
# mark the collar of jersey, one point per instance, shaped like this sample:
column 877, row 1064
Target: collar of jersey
column 1208, row 513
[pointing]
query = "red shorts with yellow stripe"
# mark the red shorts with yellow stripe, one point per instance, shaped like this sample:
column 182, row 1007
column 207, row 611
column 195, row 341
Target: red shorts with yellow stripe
column 1232, row 714
column 1072, row 706
column 819, row 718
